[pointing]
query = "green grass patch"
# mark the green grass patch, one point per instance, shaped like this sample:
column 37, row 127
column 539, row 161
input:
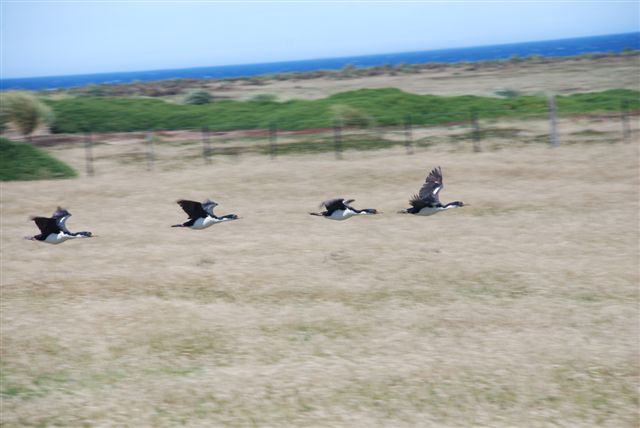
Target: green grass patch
column 20, row 161
column 383, row 107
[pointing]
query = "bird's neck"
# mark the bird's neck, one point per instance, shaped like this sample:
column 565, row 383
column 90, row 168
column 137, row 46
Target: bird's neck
column 227, row 217
column 455, row 204
column 79, row 235
column 366, row 211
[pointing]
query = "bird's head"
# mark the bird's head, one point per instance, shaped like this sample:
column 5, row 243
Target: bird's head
column 370, row 211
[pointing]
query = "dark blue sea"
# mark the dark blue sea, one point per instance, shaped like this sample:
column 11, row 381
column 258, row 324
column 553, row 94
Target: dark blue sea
column 564, row 47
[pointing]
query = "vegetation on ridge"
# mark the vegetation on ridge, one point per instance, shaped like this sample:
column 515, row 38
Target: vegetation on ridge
column 385, row 107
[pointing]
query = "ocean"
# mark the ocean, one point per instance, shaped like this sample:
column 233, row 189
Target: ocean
column 553, row 48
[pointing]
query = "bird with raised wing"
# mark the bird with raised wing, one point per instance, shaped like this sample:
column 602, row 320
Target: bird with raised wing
column 339, row 209
column 53, row 230
column 201, row 214
column 427, row 201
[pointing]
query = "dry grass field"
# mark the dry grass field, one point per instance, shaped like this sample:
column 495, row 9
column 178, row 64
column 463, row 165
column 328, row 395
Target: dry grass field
column 520, row 309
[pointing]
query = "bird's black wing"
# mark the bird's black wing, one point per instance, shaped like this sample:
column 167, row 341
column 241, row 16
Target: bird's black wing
column 335, row 204
column 192, row 208
column 46, row 225
column 418, row 203
column 429, row 191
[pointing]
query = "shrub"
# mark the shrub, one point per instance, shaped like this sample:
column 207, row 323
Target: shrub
column 351, row 116
column 198, row 96
column 24, row 111
column 264, row 98
column 507, row 93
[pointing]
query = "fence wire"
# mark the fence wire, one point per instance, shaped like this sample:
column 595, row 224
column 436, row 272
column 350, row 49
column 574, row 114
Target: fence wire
column 476, row 131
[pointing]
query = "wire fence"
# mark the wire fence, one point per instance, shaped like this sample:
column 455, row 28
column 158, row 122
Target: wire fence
column 475, row 133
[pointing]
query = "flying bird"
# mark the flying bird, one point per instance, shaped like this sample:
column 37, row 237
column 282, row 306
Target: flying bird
column 201, row 214
column 427, row 202
column 339, row 209
column 53, row 230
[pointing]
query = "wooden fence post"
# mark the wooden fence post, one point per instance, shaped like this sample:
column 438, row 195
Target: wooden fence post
column 150, row 154
column 206, row 145
column 337, row 139
column 624, row 116
column 273, row 140
column 88, row 153
column 476, row 135
column 553, row 122
column 408, row 134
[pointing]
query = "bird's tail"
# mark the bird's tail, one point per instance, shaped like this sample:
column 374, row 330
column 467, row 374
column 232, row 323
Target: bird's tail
column 403, row 212
column 318, row 214
column 177, row 225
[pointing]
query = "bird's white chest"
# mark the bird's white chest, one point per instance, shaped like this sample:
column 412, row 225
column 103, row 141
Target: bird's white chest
column 203, row 223
column 57, row 238
column 341, row 214
column 428, row 211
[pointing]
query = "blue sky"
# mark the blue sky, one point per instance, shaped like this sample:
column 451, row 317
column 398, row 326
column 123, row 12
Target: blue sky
column 44, row 38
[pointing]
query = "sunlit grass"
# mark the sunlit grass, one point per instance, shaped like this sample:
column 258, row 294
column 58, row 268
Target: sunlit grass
column 519, row 309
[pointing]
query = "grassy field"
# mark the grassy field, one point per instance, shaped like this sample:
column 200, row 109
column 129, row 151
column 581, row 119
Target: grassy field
column 520, row 309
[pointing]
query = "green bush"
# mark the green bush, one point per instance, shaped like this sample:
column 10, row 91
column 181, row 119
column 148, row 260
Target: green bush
column 507, row 93
column 20, row 161
column 197, row 97
column 350, row 116
column 264, row 98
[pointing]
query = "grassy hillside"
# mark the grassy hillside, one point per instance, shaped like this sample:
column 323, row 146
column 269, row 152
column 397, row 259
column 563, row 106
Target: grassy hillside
column 19, row 161
column 366, row 106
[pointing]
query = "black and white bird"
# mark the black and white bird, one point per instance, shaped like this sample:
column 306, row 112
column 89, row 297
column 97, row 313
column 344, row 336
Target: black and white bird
column 339, row 209
column 53, row 230
column 201, row 214
column 427, row 202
